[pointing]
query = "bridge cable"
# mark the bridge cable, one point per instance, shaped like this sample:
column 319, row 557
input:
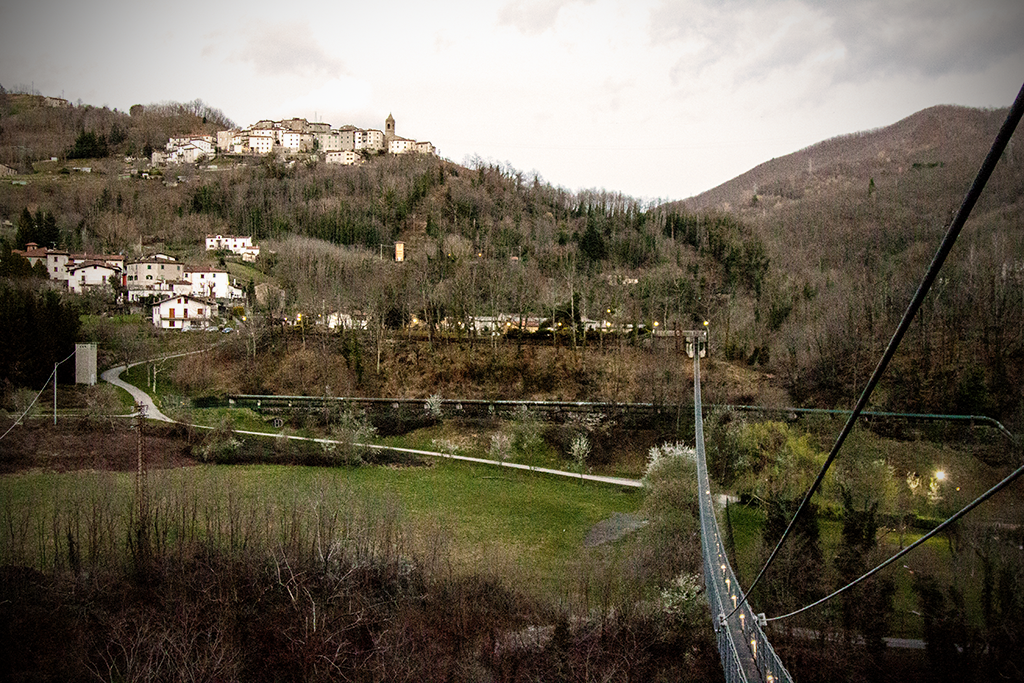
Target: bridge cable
column 970, row 199
column 1010, row 478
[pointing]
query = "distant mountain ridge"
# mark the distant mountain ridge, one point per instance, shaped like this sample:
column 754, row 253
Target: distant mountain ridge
column 940, row 135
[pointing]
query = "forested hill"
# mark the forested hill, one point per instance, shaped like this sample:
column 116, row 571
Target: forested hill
column 34, row 128
column 803, row 266
column 955, row 138
column 854, row 221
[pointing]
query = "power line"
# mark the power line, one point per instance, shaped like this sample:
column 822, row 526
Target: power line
column 53, row 376
column 970, row 199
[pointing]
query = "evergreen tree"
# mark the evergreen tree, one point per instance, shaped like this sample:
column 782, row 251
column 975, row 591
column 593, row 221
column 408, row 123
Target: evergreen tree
column 866, row 608
column 26, row 231
column 89, row 145
column 36, row 331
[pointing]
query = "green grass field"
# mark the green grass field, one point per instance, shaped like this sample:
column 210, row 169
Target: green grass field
column 525, row 527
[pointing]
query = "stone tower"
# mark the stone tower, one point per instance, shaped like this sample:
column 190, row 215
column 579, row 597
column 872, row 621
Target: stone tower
column 389, row 127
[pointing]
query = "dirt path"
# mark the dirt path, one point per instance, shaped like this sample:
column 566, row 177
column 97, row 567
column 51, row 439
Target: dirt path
column 612, row 529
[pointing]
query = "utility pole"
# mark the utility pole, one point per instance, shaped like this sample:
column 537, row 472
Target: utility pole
column 141, row 495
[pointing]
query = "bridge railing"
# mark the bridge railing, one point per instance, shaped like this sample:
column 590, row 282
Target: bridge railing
column 746, row 653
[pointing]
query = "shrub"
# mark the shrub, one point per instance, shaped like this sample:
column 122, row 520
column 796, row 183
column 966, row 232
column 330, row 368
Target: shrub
column 670, row 543
column 350, row 433
column 220, row 445
column 580, row 451
column 433, row 407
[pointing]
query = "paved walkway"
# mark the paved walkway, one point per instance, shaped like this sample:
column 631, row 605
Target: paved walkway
column 113, row 376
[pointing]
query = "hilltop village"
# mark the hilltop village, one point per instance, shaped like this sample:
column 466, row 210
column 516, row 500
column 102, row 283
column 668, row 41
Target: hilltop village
column 346, row 145
column 182, row 296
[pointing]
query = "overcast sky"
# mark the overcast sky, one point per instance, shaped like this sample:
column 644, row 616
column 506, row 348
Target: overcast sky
column 651, row 98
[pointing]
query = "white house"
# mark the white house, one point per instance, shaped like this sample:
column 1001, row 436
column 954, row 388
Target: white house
column 346, row 321
column 186, row 154
column 187, row 149
column 205, row 142
column 236, row 244
column 369, row 139
column 401, row 145
column 89, row 274
column 211, row 283
column 160, row 290
column 345, row 157
column 149, row 272
column 296, row 140
column 184, row 312
column 261, row 143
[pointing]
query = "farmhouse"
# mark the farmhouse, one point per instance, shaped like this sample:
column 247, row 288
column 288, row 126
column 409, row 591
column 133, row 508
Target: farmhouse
column 183, row 312
column 242, row 246
column 89, row 274
column 211, row 283
column 149, row 272
column 32, row 252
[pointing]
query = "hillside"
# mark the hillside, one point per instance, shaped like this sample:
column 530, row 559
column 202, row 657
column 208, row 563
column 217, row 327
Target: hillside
column 36, row 128
column 938, row 137
column 802, row 266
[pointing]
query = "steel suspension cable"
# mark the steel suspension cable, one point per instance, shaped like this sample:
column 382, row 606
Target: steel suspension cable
column 970, row 199
column 1010, row 478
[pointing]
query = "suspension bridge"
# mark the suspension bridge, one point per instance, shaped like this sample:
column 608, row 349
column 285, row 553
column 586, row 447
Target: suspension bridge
column 746, row 654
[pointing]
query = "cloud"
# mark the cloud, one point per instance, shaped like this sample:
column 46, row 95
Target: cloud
column 929, row 37
column 534, row 16
column 842, row 40
column 287, row 50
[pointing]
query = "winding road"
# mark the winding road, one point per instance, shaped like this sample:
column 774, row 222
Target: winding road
column 113, row 376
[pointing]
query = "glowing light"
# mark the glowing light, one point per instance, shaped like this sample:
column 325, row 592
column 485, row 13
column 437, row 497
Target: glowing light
column 940, row 475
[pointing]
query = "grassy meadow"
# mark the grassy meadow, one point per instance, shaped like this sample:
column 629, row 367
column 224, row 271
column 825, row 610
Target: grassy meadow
column 517, row 525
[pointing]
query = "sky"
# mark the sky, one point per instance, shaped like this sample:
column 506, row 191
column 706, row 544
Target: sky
column 655, row 99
